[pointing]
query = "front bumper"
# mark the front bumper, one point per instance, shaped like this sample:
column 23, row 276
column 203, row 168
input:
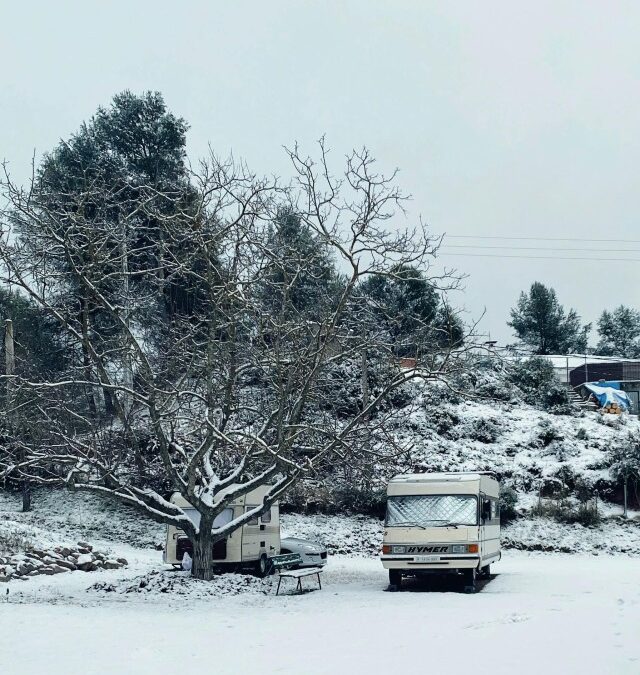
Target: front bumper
column 437, row 563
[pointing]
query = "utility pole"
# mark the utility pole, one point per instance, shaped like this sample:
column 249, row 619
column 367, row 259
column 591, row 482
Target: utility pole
column 10, row 370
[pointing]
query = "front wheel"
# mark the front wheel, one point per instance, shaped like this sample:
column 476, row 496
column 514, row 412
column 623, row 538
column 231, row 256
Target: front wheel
column 470, row 576
column 486, row 571
column 395, row 580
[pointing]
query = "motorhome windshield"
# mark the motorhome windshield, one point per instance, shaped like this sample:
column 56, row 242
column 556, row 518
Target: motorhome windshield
column 432, row 510
column 221, row 519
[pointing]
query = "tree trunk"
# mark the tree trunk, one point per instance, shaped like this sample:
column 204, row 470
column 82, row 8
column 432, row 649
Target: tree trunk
column 26, row 496
column 10, row 369
column 625, row 498
column 86, row 358
column 364, row 382
column 202, row 566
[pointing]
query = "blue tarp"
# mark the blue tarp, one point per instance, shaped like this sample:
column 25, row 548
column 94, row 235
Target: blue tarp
column 606, row 395
column 607, row 383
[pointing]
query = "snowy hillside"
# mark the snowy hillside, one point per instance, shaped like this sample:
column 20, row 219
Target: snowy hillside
column 521, row 443
column 530, row 449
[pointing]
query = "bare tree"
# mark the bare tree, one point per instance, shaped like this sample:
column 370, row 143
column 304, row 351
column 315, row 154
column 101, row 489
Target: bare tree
column 231, row 392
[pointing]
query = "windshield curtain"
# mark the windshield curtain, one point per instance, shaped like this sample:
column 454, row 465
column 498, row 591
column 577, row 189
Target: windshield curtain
column 221, row 519
column 432, row 510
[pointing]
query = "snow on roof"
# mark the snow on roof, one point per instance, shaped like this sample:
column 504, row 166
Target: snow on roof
column 448, row 476
column 571, row 360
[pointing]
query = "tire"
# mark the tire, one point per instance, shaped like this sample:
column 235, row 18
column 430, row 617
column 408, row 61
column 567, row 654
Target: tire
column 395, row 580
column 470, row 576
column 486, row 571
column 263, row 566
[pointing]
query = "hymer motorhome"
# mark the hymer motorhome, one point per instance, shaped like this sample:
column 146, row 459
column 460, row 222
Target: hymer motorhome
column 441, row 523
column 249, row 546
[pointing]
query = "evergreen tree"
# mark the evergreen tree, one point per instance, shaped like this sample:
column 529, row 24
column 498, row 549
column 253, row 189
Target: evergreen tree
column 125, row 170
column 411, row 310
column 619, row 332
column 542, row 324
column 39, row 343
column 301, row 265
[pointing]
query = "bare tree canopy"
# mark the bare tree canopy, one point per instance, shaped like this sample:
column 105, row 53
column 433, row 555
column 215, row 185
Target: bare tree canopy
column 231, row 388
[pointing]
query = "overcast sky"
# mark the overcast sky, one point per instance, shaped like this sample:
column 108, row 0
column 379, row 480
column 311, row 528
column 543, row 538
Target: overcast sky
column 505, row 118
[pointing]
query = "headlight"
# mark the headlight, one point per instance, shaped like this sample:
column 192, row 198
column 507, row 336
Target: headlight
column 398, row 549
column 459, row 548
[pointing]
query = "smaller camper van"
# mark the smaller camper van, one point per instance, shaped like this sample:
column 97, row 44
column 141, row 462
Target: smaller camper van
column 441, row 523
column 249, row 546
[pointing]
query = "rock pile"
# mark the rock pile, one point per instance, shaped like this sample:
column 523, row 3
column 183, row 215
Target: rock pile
column 37, row 561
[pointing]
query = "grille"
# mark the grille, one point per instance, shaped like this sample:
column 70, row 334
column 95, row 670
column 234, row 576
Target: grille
column 184, row 545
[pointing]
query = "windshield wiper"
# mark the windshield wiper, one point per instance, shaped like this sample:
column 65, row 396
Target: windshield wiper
column 445, row 523
column 411, row 523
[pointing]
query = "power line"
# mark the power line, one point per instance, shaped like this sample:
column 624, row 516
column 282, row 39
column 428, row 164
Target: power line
column 545, row 248
column 503, row 237
column 541, row 257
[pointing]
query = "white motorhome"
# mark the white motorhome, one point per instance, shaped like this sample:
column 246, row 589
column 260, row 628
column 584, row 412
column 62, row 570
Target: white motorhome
column 441, row 523
column 249, row 546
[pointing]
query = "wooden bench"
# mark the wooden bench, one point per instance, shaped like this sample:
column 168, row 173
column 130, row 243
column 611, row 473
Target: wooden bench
column 283, row 564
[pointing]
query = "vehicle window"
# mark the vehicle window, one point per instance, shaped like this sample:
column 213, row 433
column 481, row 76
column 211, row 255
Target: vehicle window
column 266, row 517
column 221, row 519
column 432, row 510
column 253, row 521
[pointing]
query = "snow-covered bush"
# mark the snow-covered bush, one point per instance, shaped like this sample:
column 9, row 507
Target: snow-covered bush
column 535, row 378
column 548, row 433
column 13, row 541
column 444, row 420
column 565, row 512
column 508, row 501
column 484, row 430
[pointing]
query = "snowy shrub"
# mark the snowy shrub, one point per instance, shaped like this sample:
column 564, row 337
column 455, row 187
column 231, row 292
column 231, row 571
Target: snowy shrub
column 308, row 497
column 555, row 399
column 496, row 387
column 444, row 421
column 531, row 375
column 344, row 387
column 366, row 501
column 12, row 541
column 535, row 378
column 582, row 434
column 584, row 514
column 508, row 501
column 548, row 433
column 484, row 430
column 435, row 394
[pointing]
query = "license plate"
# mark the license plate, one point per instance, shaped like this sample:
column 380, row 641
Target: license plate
column 426, row 558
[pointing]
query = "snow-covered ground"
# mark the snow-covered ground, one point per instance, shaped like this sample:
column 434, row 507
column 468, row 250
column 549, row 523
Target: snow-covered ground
column 541, row 613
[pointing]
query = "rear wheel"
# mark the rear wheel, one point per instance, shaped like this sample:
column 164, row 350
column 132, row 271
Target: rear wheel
column 395, row 580
column 262, row 566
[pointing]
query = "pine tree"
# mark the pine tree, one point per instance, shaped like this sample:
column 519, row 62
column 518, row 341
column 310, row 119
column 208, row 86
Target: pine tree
column 619, row 332
column 411, row 310
column 542, row 324
column 301, row 264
